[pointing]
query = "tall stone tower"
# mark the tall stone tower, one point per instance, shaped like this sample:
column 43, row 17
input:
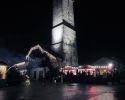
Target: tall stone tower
column 63, row 31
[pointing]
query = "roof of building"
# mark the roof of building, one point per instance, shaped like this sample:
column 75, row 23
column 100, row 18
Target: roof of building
column 49, row 50
column 3, row 63
column 104, row 61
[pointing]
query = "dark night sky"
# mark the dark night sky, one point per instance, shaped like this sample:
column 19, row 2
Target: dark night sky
column 100, row 28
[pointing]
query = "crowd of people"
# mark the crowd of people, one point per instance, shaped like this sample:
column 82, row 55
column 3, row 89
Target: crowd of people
column 86, row 77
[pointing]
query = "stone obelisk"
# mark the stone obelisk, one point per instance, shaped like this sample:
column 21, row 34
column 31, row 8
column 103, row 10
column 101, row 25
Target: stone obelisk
column 63, row 31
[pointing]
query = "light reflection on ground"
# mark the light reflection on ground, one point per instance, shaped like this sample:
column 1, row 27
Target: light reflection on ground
column 70, row 91
column 63, row 92
column 101, row 93
column 88, row 93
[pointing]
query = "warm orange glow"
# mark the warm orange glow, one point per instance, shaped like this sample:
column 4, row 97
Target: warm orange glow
column 3, row 70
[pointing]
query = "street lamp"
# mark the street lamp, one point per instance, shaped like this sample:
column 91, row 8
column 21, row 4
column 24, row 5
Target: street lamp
column 110, row 67
column 110, row 64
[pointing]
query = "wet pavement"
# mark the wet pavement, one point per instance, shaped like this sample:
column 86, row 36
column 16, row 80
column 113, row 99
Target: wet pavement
column 37, row 91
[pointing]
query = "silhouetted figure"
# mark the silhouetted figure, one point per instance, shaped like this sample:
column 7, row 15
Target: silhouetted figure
column 27, row 80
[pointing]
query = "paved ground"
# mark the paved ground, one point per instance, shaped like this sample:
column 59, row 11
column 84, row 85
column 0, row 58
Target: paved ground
column 36, row 91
